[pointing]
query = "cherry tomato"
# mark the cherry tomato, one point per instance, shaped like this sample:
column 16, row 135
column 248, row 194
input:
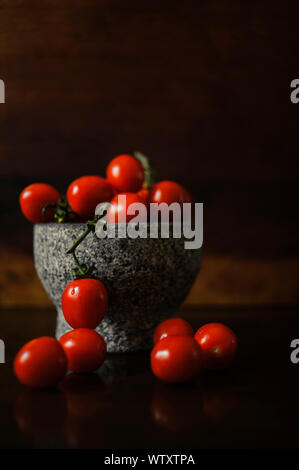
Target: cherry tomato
column 176, row 359
column 125, row 173
column 144, row 194
column 117, row 212
column 85, row 193
column 84, row 303
column 172, row 327
column 218, row 344
column 85, row 349
column 169, row 192
column 36, row 196
column 41, row 363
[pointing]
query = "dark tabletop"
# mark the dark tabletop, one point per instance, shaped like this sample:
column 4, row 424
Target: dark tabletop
column 254, row 404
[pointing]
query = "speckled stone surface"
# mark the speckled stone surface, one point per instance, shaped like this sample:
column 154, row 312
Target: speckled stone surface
column 146, row 279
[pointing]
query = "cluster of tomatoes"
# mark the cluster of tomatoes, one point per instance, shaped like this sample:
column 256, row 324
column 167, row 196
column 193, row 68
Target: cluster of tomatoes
column 43, row 362
column 179, row 354
column 125, row 175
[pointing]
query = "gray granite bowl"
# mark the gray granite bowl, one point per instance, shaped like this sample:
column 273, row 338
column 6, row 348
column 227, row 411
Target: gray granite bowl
column 146, row 279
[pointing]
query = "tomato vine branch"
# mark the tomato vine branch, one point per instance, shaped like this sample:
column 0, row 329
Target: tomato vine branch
column 83, row 270
column 149, row 172
column 62, row 211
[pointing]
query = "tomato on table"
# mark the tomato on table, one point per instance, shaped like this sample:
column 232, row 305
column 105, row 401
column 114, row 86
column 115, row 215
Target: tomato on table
column 85, row 350
column 34, row 198
column 84, row 303
column 125, row 173
column 41, row 363
column 85, row 193
column 218, row 344
column 172, row 327
column 176, row 359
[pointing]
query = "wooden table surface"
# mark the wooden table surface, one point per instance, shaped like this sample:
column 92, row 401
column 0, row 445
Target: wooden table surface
column 255, row 404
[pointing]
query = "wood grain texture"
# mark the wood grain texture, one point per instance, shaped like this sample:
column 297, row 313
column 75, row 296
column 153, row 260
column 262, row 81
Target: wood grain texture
column 223, row 281
column 202, row 87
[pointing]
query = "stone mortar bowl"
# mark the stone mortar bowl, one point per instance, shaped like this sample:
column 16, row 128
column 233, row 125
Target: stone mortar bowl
column 147, row 279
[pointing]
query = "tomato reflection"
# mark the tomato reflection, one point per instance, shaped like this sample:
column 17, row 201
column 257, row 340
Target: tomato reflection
column 40, row 413
column 176, row 407
column 217, row 403
column 85, row 394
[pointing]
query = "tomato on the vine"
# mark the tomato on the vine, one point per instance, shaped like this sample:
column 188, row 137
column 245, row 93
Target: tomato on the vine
column 117, row 212
column 41, row 363
column 125, row 173
column 176, row 359
column 169, row 192
column 218, row 344
column 34, row 198
column 85, row 349
column 84, row 303
column 172, row 327
column 85, row 193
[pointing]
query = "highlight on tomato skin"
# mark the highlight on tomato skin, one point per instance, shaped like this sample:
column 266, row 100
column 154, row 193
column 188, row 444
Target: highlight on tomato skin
column 41, row 363
column 125, row 173
column 176, row 359
column 172, row 327
column 85, row 350
column 218, row 344
column 84, row 303
column 34, row 198
column 169, row 192
column 117, row 212
column 86, row 192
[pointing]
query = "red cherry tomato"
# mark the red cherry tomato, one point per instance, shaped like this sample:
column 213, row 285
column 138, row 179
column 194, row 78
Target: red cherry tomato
column 144, row 194
column 218, row 344
column 117, row 212
column 172, row 327
column 84, row 303
column 125, row 173
column 176, row 359
column 169, row 192
column 85, row 349
column 85, row 193
column 36, row 196
column 41, row 363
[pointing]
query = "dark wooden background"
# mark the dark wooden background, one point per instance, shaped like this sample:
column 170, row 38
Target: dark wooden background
column 202, row 87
